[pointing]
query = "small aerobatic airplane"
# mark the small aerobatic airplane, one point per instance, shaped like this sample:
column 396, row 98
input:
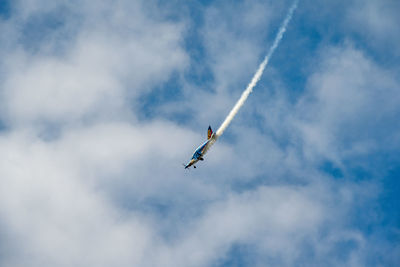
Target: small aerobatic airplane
column 201, row 150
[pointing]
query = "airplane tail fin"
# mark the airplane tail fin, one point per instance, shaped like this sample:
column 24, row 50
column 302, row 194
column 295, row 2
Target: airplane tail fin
column 209, row 132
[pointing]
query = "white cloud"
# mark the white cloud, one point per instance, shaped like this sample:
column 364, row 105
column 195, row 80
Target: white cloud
column 378, row 22
column 102, row 69
column 349, row 103
column 54, row 219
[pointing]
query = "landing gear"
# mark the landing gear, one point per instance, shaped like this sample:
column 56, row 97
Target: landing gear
column 194, row 166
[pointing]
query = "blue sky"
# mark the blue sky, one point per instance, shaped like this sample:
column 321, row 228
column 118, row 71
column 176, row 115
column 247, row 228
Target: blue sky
column 102, row 102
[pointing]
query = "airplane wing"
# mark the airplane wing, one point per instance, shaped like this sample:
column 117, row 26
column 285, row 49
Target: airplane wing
column 210, row 142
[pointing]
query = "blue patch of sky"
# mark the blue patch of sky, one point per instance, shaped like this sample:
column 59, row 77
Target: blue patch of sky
column 295, row 57
column 192, row 14
column 39, row 26
column 238, row 255
column 49, row 131
column 286, row 59
column 240, row 185
column 3, row 126
column 38, row 29
column 378, row 217
column 389, row 200
column 343, row 249
column 172, row 211
column 50, row 31
column 382, row 169
column 198, row 73
column 151, row 102
column 5, row 9
column 331, row 169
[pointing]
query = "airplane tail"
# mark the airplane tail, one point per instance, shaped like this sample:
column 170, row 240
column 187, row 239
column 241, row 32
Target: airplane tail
column 209, row 132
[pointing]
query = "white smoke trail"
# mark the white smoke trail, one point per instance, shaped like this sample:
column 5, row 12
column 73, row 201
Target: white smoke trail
column 258, row 73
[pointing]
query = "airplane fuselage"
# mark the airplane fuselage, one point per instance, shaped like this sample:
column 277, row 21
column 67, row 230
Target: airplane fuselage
column 198, row 154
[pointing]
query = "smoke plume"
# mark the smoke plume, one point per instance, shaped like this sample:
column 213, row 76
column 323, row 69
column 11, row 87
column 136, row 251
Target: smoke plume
column 258, row 73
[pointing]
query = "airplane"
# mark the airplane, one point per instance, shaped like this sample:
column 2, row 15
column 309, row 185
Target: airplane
column 202, row 149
